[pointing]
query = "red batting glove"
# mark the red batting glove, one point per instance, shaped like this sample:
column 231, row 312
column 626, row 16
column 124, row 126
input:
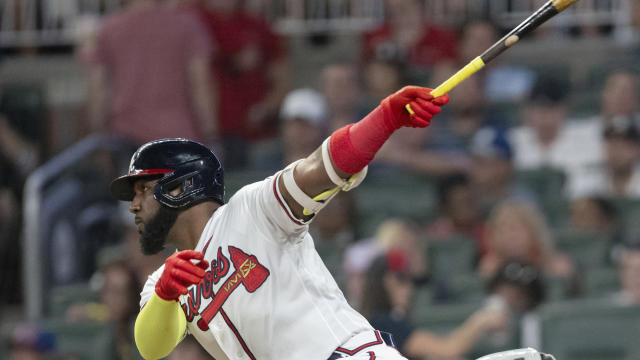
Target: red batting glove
column 354, row 146
column 420, row 100
column 180, row 273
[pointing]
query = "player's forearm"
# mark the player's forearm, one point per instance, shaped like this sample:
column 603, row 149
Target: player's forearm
column 351, row 148
column 159, row 327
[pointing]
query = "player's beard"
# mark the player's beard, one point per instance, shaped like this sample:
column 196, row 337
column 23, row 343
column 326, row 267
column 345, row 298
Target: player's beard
column 154, row 236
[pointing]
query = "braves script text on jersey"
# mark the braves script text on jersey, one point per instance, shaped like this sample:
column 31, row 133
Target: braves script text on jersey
column 267, row 294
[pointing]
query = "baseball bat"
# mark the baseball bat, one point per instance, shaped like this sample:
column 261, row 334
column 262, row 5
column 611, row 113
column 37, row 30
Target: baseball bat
column 544, row 13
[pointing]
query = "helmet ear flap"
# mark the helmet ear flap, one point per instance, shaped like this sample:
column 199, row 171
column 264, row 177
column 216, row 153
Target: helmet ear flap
column 191, row 178
column 164, row 188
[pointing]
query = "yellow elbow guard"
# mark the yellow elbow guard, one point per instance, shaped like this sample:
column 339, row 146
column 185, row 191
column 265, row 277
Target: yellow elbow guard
column 159, row 327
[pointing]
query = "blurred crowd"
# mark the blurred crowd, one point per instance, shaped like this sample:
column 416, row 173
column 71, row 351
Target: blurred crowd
column 533, row 197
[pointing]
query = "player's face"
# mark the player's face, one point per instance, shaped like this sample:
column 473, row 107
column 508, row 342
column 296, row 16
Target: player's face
column 153, row 220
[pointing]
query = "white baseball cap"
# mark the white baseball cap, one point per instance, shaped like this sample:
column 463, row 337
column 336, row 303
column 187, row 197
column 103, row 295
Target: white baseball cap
column 305, row 104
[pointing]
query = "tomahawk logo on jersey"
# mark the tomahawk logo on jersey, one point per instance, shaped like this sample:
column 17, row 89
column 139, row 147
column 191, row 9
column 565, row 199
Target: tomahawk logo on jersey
column 248, row 272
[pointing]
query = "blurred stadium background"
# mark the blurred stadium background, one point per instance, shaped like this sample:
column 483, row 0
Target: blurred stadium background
column 61, row 232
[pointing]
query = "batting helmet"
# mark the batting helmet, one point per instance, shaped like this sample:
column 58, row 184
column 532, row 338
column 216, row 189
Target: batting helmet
column 175, row 162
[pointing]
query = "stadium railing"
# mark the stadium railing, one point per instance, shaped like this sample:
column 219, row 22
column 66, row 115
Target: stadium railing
column 60, row 23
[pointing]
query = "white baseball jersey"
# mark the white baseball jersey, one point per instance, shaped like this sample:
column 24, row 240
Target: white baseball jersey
column 267, row 293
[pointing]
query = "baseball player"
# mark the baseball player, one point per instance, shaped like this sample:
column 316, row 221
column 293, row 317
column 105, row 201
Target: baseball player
column 246, row 281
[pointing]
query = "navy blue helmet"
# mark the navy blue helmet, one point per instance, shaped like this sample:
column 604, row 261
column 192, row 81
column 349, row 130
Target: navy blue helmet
column 175, row 162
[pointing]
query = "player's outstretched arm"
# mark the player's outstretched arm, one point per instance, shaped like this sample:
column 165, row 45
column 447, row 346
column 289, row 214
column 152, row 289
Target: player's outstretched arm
column 351, row 148
column 161, row 324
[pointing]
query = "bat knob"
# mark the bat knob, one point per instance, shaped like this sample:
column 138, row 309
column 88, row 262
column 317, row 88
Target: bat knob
column 203, row 325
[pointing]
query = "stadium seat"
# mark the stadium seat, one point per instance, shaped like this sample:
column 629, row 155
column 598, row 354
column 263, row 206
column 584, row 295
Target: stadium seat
column 590, row 330
column 404, row 195
column 236, row 179
column 451, row 257
column 443, row 319
column 628, row 210
column 556, row 288
column 62, row 297
column 598, row 73
column 333, row 256
column 548, row 186
column 584, row 104
column 600, row 282
column 88, row 340
column 467, row 288
column 588, row 249
column 27, row 102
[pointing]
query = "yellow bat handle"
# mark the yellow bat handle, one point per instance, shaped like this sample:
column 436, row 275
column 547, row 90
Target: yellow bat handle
column 469, row 69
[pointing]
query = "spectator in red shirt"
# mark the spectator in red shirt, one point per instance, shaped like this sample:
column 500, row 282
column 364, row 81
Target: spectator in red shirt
column 252, row 73
column 407, row 33
column 149, row 74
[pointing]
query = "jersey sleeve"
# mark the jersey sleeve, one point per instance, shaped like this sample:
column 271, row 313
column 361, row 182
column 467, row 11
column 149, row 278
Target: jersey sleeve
column 264, row 205
column 150, row 286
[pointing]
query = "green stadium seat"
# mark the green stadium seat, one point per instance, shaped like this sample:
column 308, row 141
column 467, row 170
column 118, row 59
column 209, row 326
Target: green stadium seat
column 88, row 340
column 62, row 297
column 548, row 186
column 598, row 73
column 27, row 103
column 590, row 330
column 628, row 211
column 588, row 249
column 584, row 104
column 333, row 256
column 599, row 282
column 467, row 288
column 404, row 195
column 236, row 179
column 443, row 319
column 423, row 296
column 556, row 288
column 451, row 257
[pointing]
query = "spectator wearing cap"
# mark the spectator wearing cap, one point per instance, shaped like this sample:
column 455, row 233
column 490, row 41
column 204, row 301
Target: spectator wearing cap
column 303, row 121
column 548, row 138
column 519, row 287
column 619, row 174
column 492, row 169
column 387, row 303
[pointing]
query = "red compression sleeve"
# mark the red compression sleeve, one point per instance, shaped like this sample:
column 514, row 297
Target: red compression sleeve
column 354, row 146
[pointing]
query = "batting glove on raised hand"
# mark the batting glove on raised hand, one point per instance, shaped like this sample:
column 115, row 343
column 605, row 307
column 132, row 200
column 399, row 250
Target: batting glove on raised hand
column 422, row 106
column 180, row 273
